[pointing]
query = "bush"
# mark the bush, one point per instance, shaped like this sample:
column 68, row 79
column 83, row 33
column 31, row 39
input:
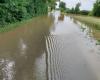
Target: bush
column 84, row 12
column 96, row 9
column 17, row 10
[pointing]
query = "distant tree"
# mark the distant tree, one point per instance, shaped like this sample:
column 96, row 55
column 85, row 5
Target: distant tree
column 96, row 8
column 77, row 8
column 72, row 10
column 62, row 6
column 67, row 10
column 84, row 12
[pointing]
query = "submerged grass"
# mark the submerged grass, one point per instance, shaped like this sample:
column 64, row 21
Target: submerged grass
column 8, row 27
column 93, row 21
column 98, row 42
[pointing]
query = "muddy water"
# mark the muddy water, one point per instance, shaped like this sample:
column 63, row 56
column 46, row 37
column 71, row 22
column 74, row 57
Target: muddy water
column 54, row 47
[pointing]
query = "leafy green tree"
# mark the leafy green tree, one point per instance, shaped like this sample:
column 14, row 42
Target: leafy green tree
column 72, row 10
column 96, row 8
column 84, row 12
column 62, row 6
column 77, row 8
column 17, row 10
column 52, row 4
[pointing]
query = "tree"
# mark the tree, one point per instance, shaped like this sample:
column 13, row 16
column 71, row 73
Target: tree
column 72, row 10
column 77, row 8
column 52, row 4
column 96, row 8
column 84, row 12
column 17, row 10
column 62, row 6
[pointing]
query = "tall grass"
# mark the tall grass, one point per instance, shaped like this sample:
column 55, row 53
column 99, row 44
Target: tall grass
column 93, row 21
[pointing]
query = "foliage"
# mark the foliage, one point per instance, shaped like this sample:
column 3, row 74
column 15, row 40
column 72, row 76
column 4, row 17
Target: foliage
column 72, row 10
column 90, row 13
column 84, row 12
column 67, row 10
column 77, row 8
column 96, row 9
column 17, row 10
column 52, row 4
column 92, row 21
column 62, row 6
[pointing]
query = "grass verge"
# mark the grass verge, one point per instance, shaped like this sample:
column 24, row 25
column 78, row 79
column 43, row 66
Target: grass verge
column 8, row 27
column 93, row 21
column 12, row 26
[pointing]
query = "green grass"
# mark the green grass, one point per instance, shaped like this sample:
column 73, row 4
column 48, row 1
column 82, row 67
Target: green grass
column 93, row 21
column 98, row 42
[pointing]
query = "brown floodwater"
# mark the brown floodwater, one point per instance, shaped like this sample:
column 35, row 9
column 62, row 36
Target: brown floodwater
column 53, row 47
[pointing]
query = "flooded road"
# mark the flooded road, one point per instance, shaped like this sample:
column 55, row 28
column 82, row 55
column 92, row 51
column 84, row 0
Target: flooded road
column 54, row 47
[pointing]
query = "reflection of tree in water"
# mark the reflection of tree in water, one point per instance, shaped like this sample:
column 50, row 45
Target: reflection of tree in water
column 26, row 47
column 61, row 17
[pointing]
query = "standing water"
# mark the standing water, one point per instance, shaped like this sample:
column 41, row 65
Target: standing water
column 54, row 47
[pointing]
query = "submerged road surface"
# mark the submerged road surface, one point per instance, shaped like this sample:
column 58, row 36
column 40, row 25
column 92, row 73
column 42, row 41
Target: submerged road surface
column 54, row 47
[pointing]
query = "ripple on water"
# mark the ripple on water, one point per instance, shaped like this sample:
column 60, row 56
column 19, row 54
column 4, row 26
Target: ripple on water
column 6, row 69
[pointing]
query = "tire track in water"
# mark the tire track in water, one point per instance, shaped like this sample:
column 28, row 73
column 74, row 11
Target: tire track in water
column 54, row 47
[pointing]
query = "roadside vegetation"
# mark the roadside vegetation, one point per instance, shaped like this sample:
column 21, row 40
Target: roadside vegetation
column 12, row 11
column 62, row 6
column 93, row 21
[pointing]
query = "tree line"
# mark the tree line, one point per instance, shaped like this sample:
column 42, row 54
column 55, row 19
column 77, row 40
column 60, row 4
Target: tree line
column 95, row 11
column 12, row 11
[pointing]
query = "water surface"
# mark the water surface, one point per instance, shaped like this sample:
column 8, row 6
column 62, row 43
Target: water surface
column 54, row 47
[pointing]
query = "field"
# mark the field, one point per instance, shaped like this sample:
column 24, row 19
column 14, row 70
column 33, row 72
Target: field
column 93, row 21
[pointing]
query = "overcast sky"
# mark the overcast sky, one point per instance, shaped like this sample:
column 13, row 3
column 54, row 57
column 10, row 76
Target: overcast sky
column 85, row 4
